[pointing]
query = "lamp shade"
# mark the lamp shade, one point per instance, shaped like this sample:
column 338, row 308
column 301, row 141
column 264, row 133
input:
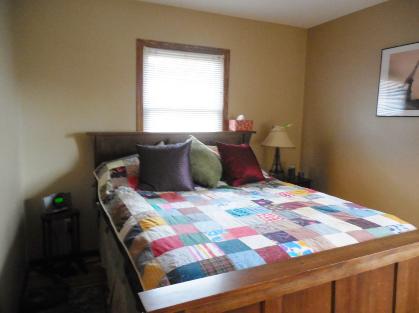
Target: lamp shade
column 278, row 137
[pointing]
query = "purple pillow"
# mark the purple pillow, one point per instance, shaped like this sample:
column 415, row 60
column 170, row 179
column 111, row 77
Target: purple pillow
column 165, row 168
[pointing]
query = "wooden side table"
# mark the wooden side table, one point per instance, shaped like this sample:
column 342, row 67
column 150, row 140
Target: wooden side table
column 300, row 181
column 297, row 180
column 47, row 238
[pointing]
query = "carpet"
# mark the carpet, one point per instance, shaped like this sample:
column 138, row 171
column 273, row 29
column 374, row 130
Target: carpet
column 66, row 290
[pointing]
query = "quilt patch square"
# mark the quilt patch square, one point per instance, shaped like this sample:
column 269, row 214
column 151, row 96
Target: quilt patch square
column 245, row 259
column 185, row 228
column 322, row 229
column 172, row 196
column 223, row 218
column 327, row 219
column 217, row 265
column 326, row 208
column 344, row 216
column 158, row 207
column 304, row 221
column 285, row 194
column 186, row 272
column 257, row 241
column 361, row 235
column 193, row 239
column 285, row 225
column 169, row 213
column 239, row 212
column 272, row 254
column 219, row 235
column 191, row 210
column 151, row 221
column 292, row 205
column 302, row 233
column 181, row 204
column 288, row 214
column 251, row 221
column 364, row 224
column 207, row 226
column 166, row 206
column 238, row 232
column 280, row 236
column 319, row 244
column 394, row 218
column 198, row 217
column 341, row 239
column 353, row 205
column 156, row 201
column 133, row 233
column 232, row 246
column 265, row 228
column 196, row 199
column 380, row 232
column 397, row 229
column 301, row 192
column 361, row 212
column 313, row 196
column 269, row 217
column 382, row 220
column 262, row 202
column 296, row 248
column 163, row 245
column 205, row 251
column 176, row 258
column 158, row 232
column 177, row 219
column 130, row 223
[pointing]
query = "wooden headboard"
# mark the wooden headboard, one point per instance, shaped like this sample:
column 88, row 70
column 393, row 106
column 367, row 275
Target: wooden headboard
column 112, row 145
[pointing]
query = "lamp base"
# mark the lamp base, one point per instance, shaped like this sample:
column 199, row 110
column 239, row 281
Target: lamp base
column 277, row 174
column 276, row 170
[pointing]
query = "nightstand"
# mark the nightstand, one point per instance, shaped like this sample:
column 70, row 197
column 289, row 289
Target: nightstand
column 299, row 181
column 70, row 215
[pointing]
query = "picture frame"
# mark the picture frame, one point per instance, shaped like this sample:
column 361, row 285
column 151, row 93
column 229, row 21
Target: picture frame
column 398, row 87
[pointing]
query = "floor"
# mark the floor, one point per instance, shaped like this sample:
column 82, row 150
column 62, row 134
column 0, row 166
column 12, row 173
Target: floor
column 65, row 287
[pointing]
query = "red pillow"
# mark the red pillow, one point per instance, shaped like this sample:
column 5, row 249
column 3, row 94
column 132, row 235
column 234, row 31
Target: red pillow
column 240, row 165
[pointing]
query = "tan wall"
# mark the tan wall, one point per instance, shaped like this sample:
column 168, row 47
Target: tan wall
column 77, row 70
column 349, row 151
column 11, row 208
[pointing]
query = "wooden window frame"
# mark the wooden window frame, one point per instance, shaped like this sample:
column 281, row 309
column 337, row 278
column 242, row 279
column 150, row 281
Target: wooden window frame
column 141, row 43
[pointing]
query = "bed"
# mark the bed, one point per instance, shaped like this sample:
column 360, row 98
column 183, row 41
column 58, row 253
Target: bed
column 369, row 263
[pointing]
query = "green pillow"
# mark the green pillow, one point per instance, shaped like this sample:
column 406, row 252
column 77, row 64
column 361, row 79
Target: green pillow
column 205, row 164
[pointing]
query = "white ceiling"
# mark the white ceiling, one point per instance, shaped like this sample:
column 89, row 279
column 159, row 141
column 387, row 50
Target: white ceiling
column 301, row 13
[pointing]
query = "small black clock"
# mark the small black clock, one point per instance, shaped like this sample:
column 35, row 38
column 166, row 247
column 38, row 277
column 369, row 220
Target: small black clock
column 57, row 202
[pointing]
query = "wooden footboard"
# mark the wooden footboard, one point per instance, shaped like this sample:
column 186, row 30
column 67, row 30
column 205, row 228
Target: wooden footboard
column 377, row 276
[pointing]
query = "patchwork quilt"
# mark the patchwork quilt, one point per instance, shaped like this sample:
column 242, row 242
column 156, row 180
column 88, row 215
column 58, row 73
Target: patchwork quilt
column 172, row 237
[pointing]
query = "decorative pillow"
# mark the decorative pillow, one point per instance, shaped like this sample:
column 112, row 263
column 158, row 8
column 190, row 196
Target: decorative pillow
column 240, row 165
column 206, row 167
column 165, row 168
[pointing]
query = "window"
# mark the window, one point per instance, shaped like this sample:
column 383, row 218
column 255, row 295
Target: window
column 181, row 88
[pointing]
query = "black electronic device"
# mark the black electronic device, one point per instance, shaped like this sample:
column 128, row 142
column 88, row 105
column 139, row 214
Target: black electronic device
column 57, row 202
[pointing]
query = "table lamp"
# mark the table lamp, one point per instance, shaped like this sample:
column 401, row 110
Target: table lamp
column 278, row 138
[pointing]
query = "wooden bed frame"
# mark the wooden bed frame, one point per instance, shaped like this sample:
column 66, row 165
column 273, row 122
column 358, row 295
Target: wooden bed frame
column 377, row 276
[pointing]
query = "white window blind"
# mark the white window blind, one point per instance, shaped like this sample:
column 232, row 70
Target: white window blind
column 182, row 91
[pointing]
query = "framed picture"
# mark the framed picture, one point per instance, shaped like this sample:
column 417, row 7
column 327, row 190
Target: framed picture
column 398, row 91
